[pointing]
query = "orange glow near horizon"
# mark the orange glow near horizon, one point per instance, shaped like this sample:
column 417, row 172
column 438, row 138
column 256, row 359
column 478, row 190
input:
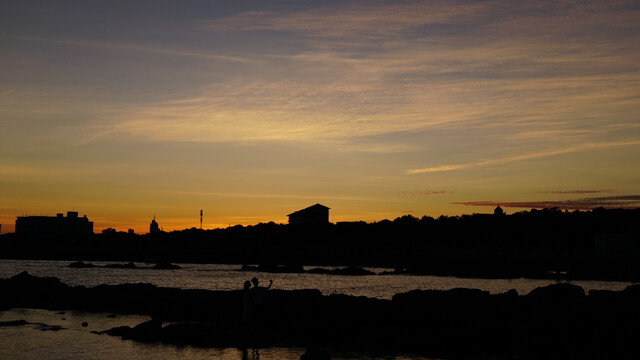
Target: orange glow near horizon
column 259, row 109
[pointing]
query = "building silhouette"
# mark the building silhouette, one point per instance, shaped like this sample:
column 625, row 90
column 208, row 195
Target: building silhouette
column 154, row 228
column 54, row 226
column 498, row 211
column 315, row 214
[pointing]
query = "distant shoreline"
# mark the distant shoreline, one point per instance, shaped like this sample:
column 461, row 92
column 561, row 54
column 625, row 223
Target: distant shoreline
column 594, row 245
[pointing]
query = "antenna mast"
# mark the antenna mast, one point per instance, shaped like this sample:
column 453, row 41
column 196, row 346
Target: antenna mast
column 200, row 219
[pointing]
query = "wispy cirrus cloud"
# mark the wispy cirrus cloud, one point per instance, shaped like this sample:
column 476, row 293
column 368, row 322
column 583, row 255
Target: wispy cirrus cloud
column 258, row 195
column 132, row 47
column 366, row 69
column 575, row 191
column 428, row 192
column 522, row 157
column 373, row 68
column 613, row 202
column 359, row 19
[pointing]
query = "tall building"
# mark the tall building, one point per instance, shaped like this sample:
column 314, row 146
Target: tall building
column 54, row 226
column 154, row 228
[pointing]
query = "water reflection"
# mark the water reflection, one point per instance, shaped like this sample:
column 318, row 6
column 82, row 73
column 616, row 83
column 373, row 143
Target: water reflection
column 76, row 342
column 250, row 354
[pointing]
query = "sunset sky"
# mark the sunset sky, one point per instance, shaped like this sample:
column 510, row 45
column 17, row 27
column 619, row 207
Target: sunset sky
column 250, row 110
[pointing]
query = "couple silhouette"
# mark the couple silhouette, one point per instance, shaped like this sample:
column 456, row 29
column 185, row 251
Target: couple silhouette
column 253, row 300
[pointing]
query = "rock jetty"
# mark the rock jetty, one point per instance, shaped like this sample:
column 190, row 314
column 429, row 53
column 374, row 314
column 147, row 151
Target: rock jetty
column 559, row 320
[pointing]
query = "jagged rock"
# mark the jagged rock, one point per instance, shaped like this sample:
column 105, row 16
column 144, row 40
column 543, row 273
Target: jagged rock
column 632, row 292
column 457, row 296
column 129, row 265
column 463, row 323
column 314, row 353
column 24, row 290
column 123, row 331
column 14, row 323
column 556, row 293
column 45, row 327
column 166, row 266
column 513, row 294
column 603, row 296
column 396, row 271
column 148, row 331
column 319, row 271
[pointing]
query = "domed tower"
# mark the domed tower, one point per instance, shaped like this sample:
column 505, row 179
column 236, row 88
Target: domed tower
column 154, row 228
column 498, row 211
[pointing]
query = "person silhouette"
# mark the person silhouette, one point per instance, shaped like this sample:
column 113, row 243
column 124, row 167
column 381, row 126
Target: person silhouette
column 247, row 303
column 257, row 295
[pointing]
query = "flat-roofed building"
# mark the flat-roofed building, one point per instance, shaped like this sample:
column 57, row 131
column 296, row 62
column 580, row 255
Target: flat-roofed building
column 54, row 226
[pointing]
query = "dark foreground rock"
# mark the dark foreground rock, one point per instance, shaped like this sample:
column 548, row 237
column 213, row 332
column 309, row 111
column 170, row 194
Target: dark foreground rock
column 314, row 353
column 555, row 321
column 13, row 323
column 39, row 326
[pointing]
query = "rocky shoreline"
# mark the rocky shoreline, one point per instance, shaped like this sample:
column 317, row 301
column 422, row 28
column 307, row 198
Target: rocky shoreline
column 558, row 320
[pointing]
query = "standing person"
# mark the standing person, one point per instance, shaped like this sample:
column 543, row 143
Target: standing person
column 257, row 293
column 247, row 303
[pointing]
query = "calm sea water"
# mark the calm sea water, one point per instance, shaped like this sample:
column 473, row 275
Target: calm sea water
column 229, row 277
column 74, row 341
